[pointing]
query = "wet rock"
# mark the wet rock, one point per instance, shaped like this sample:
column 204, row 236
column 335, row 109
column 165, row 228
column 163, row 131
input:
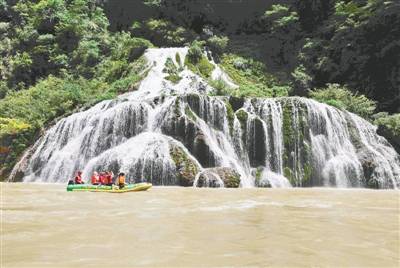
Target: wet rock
column 236, row 103
column 368, row 165
column 202, row 151
column 264, row 184
column 209, row 180
column 193, row 100
column 219, row 177
column 257, row 146
column 22, row 166
column 186, row 168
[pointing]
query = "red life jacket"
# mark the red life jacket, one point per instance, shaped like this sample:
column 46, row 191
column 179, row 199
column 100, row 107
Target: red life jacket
column 78, row 179
column 103, row 179
column 108, row 179
column 95, row 179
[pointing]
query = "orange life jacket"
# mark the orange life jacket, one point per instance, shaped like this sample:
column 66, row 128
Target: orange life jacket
column 121, row 179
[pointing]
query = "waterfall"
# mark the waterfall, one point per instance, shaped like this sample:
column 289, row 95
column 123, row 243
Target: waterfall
column 170, row 133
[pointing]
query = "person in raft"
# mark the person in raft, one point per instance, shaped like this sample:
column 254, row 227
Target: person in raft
column 121, row 180
column 78, row 178
column 102, row 178
column 95, row 178
column 109, row 178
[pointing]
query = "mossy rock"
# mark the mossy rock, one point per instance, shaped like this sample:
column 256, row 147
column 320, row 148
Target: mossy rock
column 193, row 100
column 257, row 173
column 229, row 176
column 203, row 67
column 242, row 116
column 230, row 115
column 186, row 168
column 172, row 70
column 174, row 78
column 236, row 102
column 189, row 113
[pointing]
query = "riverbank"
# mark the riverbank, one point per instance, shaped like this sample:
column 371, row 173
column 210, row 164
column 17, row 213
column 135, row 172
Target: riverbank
column 45, row 226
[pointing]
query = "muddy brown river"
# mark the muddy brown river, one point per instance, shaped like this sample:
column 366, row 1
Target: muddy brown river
column 42, row 225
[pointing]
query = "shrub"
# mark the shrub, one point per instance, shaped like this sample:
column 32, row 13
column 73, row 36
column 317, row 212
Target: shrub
column 195, row 52
column 11, row 126
column 252, row 78
column 389, row 127
column 15, row 136
column 3, row 89
column 301, row 81
column 389, row 122
column 217, row 44
column 178, row 59
column 221, row 88
column 162, row 32
column 172, row 70
column 280, row 16
column 205, row 67
column 197, row 62
column 342, row 98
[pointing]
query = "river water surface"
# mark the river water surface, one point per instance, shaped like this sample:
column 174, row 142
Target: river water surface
column 42, row 225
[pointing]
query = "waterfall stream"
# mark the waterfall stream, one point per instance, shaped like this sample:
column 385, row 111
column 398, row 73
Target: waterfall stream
column 167, row 133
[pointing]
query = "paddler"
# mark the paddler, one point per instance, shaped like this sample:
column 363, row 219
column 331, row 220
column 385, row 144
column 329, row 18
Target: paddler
column 95, row 178
column 102, row 178
column 109, row 178
column 121, row 180
column 78, row 178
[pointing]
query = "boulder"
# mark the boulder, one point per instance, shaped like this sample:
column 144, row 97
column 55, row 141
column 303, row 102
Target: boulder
column 218, row 177
column 186, row 167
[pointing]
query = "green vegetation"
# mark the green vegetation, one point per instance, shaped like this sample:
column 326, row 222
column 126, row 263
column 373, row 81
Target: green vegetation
column 251, row 77
column 230, row 114
column 217, row 44
column 281, row 16
column 349, row 42
column 342, row 98
column 195, row 52
column 391, row 122
column 190, row 113
column 12, row 126
column 178, row 60
column 242, row 116
column 296, row 141
column 56, row 57
column 162, row 32
column 221, row 88
column 185, row 167
column 172, row 70
column 389, row 127
column 287, row 126
column 197, row 62
column 258, row 174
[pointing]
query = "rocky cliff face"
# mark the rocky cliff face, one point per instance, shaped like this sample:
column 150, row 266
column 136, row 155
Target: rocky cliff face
column 176, row 134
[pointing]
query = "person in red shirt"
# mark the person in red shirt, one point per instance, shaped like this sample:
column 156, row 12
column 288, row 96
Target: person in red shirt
column 109, row 178
column 102, row 178
column 78, row 178
column 95, row 178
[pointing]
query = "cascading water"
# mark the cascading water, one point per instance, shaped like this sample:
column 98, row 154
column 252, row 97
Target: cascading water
column 172, row 134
